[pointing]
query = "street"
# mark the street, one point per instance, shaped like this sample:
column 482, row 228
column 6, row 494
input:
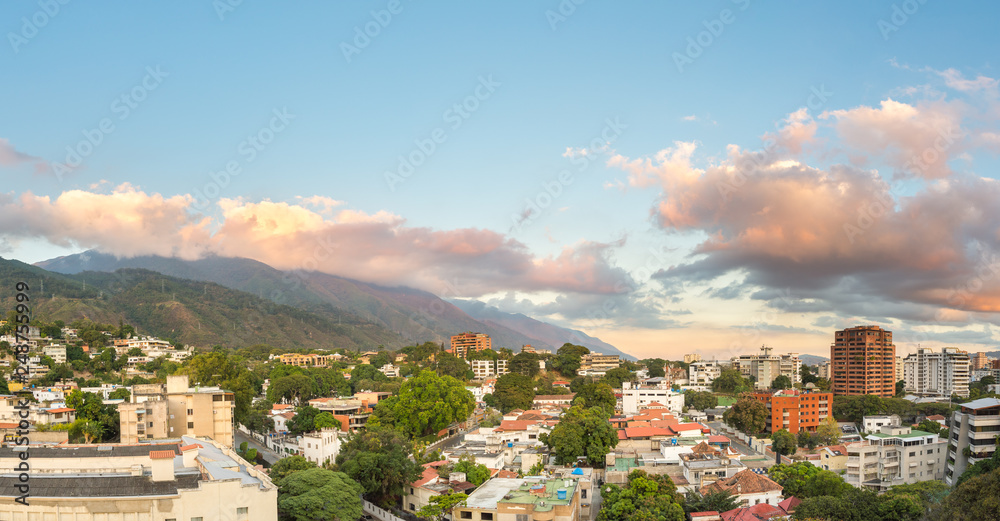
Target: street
column 268, row 455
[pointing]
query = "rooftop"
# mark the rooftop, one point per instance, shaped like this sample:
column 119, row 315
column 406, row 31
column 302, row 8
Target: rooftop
column 542, row 494
column 911, row 434
column 489, row 493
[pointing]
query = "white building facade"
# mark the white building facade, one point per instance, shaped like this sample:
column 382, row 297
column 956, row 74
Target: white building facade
column 931, row 373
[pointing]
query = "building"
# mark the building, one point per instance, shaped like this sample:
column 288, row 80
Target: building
column 598, row 364
column 895, row 456
column 748, row 488
column 764, row 368
column 899, row 369
column 177, row 410
column 320, row 446
column 692, row 358
column 190, row 479
column 352, row 413
column 823, row 370
column 875, row 423
column 517, row 499
column 795, row 410
column 638, row 396
column 973, row 429
column 862, row 360
column 703, row 373
column 979, row 361
column 931, row 373
column 465, row 343
column 56, row 352
column 389, row 370
column 308, row 360
column 484, row 369
column 833, row 457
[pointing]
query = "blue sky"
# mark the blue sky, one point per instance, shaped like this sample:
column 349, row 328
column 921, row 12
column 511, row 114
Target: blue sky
column 555, row 81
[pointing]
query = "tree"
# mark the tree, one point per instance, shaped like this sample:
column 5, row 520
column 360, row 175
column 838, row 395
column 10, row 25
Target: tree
column 524, row 364
column 381, row 359
column 568, row 358
column 644, row 498
column 973, row 500
column 783, row 442
column 362, row 372
column 287, row 465
column 475, row 473
column 597, row 394
column 900, row 388
column 441, row 505
column 119, row 394
column 89, row 430
column 448, row 364
column 293, row 389
column 316, row 493
column 730, row 381
column 806, row 439
column 428, row 403
column 700, row 400
column 616, row 376
column 513, row 391
column 721, row 501
column 582, row 432
column 930, row 426
column 303, row 421
column 828, row 432
column 781, row 382
column 747, row 414
column 325, row 420
column 655, row 367
column 793, row 478
column 378, row 457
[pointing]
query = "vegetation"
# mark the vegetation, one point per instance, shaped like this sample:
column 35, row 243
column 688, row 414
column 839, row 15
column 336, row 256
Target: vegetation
column 644, row 498
column 747, row 414
column 582, row 433
column 317, row 493
column 783, row 442
column 378, row 457
column 597, row 394
column 287, row 465
column 513, row 391
column 426, row 404
column 781, row 382
column 721, row 501
column 441, row 506
column 730, row 381
column 567, row 359
column 700, row 400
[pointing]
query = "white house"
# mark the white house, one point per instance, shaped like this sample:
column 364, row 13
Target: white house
column 638, row 396
column 748, row 487
column 320, row 446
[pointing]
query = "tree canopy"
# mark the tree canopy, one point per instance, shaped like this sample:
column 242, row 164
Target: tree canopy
column 730, row 381
column 747, row 414
column 643, row 498
column 428, row 403
column 783, row 442
column 597, row 394
column 513, row 391
column 582, row 432
column 316, row 493
column 567, row 359
column 378, row 457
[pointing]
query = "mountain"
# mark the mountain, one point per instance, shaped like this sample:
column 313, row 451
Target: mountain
column 547, row 334
column 413, row 315
column 813, row 359
column 186, row 311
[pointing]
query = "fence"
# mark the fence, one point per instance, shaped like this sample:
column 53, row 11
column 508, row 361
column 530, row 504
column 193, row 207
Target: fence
column 378, row 513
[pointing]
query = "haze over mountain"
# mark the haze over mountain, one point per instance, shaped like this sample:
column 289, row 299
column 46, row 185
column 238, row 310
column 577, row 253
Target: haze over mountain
column 410, row 314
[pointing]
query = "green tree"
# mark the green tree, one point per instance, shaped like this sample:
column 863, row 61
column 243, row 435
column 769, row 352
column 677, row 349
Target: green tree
column 381, row 359
column 287, row 465
column 783, row 442
column 828, row 432
column 525, row 364
column 475, row 473
column 378, row 457
column 448, row 364
column 930, row 426
column 362, row 372
column 427, row 404
column 119, row 394
column 568, row 358
column 644, row 497
column 721, row 501
column 781, row 382
column 655, row 367
column 314, row 494
column 976, row 499
column 514, row 391
column 806, row 439
column 325, row 420
column 700, row 400
column 900, row 388
column 89, row 430
column 304, row 420
column 582, row 432
column 441, row 505
column 598, row 394
column 616, row 376
column 730, row 381
column 294, row 389
column 747, row 414
column 485, row 354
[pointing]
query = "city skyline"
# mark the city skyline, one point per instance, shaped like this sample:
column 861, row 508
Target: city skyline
column 659, row 177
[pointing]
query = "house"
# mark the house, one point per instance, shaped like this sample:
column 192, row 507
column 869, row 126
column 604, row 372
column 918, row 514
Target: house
column 554, row 399
column 536, row 499
column 833, row 457
column 748, row 487
column 320, row 446
column 702, row 469
column 875, row 423
column 281, row 421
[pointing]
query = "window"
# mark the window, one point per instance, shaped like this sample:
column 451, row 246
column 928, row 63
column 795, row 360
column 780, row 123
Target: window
column 583, row 494
column 190, row 412
column 486, row 516
column 466, row 514
column 242, row 513
column 412, row 506
column 196, row 519
column 150, row 424
column 190, row 425
column 411, row 492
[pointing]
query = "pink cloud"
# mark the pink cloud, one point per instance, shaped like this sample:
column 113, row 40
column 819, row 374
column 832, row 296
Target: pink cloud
column 11, row 157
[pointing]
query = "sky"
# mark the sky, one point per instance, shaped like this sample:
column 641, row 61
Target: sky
column 672, row 177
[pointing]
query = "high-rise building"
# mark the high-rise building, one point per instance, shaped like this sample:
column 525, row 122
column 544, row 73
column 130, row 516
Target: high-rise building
column 794, row 410
column 979, row 361
column 691, row 358
column 764, row 368
column 863, row 361
column 465, row 343
column 899, row 370
column 973, row 428
column 931, row 373
column 175, row 410
column 704, row 373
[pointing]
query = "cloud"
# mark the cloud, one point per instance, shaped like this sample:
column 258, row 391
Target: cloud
column 957, row 81
column 374, row 247
column 11, row 157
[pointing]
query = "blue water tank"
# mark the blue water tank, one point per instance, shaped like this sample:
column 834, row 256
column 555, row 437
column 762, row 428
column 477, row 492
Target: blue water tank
column 510, row 444
column 561, row 493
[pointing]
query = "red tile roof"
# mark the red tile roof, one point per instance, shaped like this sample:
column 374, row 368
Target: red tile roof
column 61, row 409
column 645, row 432
column 789, row 504
column 428, row 475
column 5, row 425
column 161, row 454
column 758, row 512
column 936, row 417
column 748, row 482
column 718, row 439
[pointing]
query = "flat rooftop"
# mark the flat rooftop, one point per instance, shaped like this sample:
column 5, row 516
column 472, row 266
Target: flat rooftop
column 488, row 494
column 542, row 494
column 911, row 434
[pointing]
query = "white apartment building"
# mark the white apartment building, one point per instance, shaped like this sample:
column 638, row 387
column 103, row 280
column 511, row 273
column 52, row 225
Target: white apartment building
column 931, row 373
column 704, row 372
column 691, row 358
column 764, row 368
column 823, row 370
column 320, row 446
column 973, row 428
column 56, row 352
column 874, row 424
column 895, row 456
column 389, row 370
column 484, row 369
column 638, row 396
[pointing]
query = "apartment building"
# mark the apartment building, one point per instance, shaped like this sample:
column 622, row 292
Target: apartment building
column 177, row 410
column 692, row 358
column 636, row 396
column 704, row 372
column 197, row 478
column 484, row 369
column 765, row 367
column 973, row 430
column 312, row 360
column 937, row 373
column 465, row 343
column 795, row 410
column 598, row 364
column 352, row 412
column 863, row 360
column 56, row 352
column 527, row 499
column 979, row 361
column 823, row 370
column 895, row 456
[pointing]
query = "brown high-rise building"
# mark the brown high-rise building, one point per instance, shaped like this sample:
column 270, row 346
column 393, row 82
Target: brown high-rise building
column 863, row 361
column 465, row 343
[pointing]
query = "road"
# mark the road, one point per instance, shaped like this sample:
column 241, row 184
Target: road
column 735, row 442
column 268, row 455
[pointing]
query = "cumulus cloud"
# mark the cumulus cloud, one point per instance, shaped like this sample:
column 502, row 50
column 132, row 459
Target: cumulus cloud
column 374, row 247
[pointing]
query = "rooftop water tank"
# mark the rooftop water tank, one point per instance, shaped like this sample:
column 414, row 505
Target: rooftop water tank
column 561, row 494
